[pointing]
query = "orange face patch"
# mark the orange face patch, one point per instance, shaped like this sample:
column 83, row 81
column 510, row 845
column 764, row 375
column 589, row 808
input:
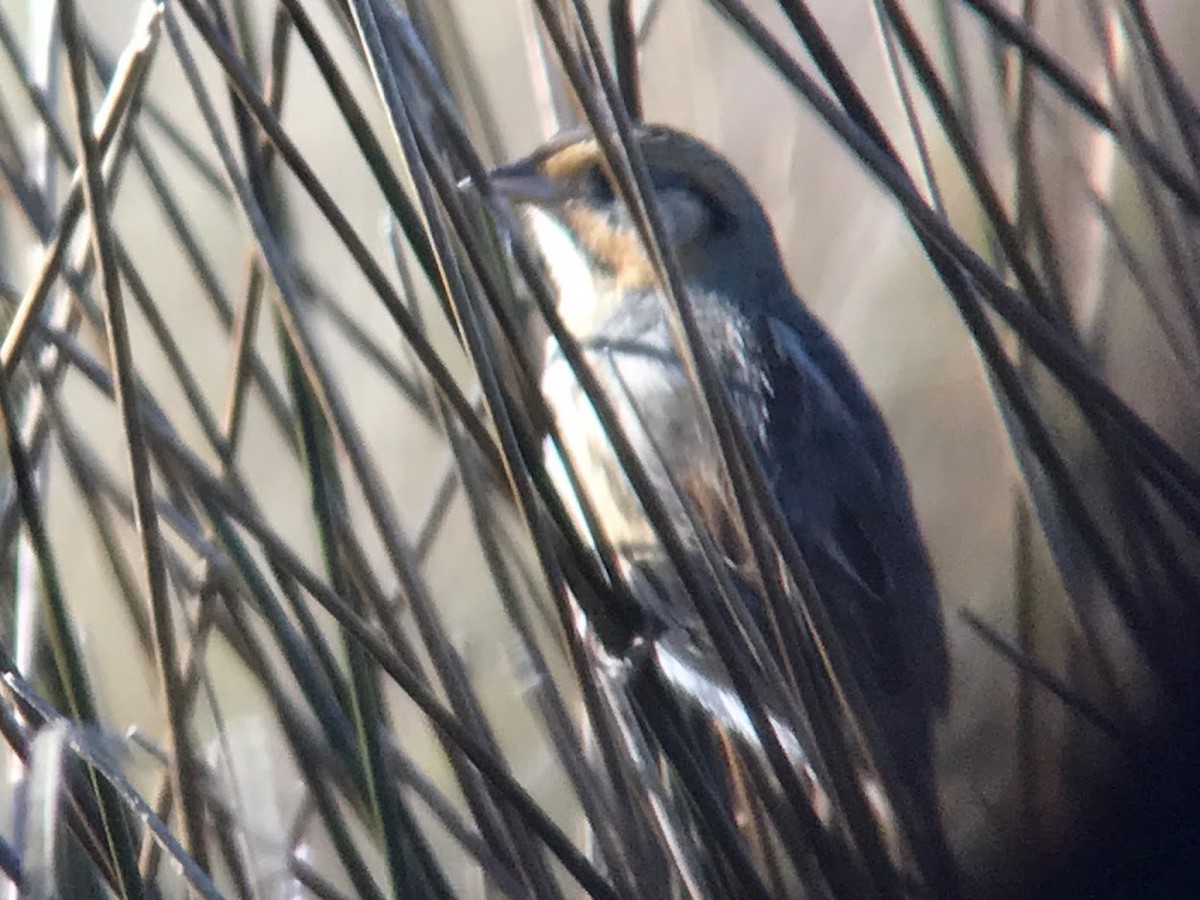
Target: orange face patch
column 570, row 162
column 619, row 251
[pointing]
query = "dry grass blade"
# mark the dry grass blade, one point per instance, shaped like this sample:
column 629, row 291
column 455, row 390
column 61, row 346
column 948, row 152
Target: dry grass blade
column 288, row 493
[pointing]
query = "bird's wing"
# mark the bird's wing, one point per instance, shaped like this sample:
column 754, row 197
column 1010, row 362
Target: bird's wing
column 842, row 487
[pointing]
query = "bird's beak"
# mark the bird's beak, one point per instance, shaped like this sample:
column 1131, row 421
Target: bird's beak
column 522, row 182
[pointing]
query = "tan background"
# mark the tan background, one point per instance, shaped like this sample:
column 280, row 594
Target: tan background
column 850, row 255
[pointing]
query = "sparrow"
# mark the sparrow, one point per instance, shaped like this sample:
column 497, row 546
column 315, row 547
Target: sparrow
column 819, row 438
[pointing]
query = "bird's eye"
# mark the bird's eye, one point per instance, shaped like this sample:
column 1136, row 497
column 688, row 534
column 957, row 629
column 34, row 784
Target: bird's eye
column 599, row 187
column 689, row 211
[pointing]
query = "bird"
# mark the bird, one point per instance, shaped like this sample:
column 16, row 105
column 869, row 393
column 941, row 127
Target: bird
column 822, row 444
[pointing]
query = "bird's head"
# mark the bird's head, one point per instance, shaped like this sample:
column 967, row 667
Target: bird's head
column 590, row 243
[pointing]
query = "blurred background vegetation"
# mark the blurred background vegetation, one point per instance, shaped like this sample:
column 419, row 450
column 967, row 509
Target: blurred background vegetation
column 249, row 581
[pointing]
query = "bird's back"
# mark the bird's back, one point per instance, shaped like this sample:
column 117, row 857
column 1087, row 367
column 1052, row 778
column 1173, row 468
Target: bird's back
column 825, row 451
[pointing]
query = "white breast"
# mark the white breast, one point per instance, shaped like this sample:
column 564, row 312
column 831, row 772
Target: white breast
column 589, row 449
column 582, row 307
